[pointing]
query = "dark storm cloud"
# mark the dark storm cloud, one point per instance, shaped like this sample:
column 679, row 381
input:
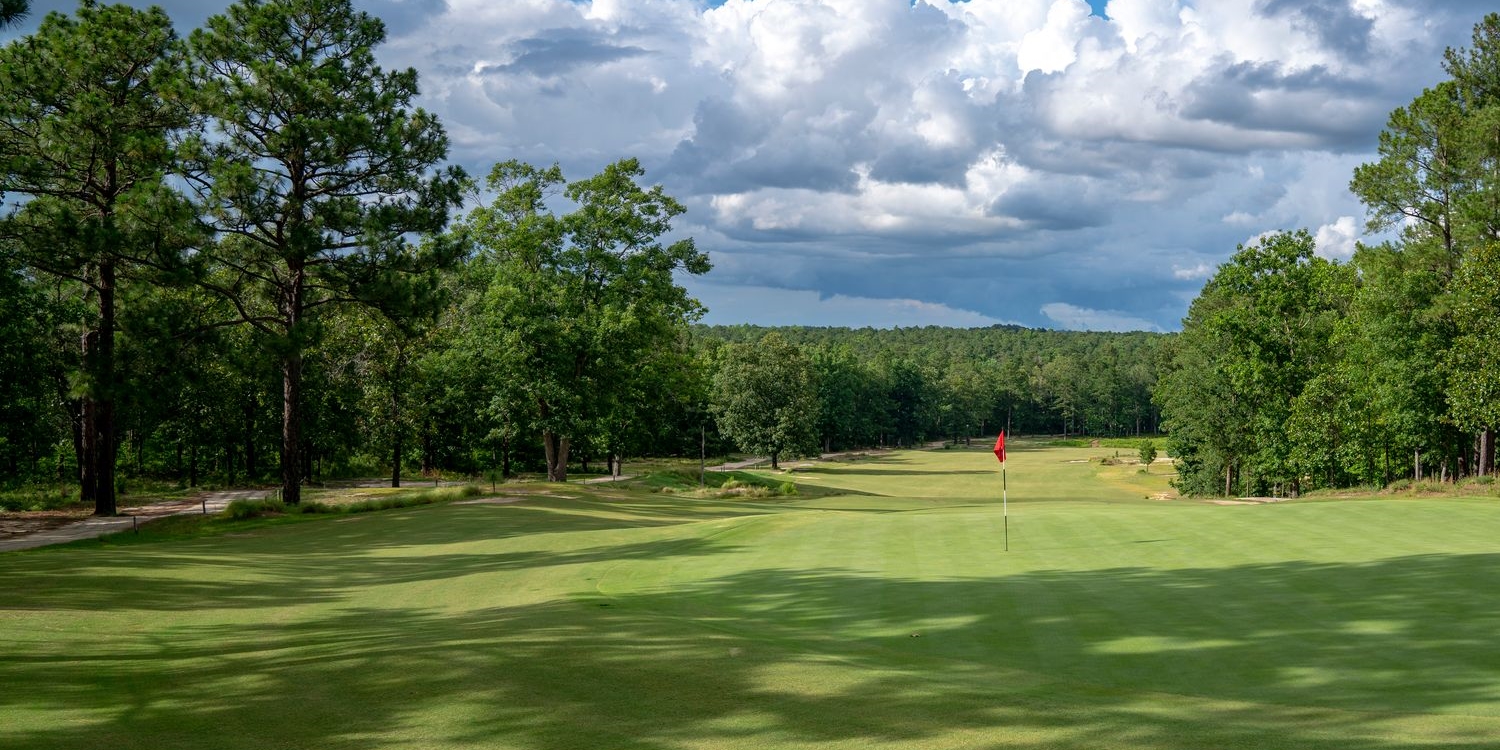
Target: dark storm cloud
column 1058, row 204
column 915, row 163
column 1339, row 111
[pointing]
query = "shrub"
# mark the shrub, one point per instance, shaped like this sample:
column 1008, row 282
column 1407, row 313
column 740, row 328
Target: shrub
column 243, row 510
column 788, row 488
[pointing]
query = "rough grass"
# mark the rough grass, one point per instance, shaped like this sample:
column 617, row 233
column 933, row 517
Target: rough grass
column 362, row 500
column 718, row 484
column 618, row 618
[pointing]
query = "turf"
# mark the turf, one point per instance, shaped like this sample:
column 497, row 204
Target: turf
column 884, row 617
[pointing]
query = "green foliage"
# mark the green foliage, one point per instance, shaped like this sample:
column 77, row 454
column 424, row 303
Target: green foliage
column 316, row 172
column 34, row 498
column 91, row 115
column 1474, row 361
column 764, row 398
column 1147, row 453
column 1250, row 344
column 578, row 314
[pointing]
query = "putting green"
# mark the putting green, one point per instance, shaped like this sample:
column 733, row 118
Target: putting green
column 888, row 616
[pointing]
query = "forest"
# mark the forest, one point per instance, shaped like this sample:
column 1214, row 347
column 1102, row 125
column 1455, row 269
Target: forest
column 241, row 256
column 1294, row 373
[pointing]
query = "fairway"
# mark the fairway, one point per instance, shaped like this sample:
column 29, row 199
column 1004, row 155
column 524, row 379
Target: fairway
column 875, row 609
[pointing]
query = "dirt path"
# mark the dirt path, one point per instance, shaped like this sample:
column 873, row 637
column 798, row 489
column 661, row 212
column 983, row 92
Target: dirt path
column 607, row 480
column 94, row 526
column 841, row 455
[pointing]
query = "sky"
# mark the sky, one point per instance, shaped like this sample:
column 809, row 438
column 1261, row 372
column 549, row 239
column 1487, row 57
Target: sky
column 1046, row 163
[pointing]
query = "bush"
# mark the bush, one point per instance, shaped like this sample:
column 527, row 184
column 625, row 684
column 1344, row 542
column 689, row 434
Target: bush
column 788, row 488
column 244, row 510
column 38, row 498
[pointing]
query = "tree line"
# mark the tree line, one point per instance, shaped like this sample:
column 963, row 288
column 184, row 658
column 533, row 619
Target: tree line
column 241, row 254
column 1294, row 372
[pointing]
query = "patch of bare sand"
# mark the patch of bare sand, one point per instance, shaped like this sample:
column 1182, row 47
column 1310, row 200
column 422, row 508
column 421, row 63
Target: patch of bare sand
column 492, row 500
column 30, row 522
column 1249, row 501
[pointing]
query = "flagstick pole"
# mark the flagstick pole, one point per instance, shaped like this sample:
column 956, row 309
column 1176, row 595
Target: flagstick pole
column 1005, row 505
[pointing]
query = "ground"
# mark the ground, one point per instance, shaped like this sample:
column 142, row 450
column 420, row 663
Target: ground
column 873, row 610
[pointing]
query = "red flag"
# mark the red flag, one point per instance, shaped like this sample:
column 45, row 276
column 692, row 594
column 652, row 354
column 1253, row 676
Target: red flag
column 1000, row 447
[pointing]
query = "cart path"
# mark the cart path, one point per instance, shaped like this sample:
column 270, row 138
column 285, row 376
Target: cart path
column 94, row 526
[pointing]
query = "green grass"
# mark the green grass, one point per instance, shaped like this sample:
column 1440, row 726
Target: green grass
column 619, row 618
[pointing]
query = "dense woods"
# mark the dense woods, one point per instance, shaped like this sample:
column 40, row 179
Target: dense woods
column 241, row 257
column 1295, row 373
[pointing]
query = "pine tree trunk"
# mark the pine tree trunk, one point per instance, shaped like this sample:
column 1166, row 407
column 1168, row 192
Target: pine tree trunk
column 99, row 361
column 291, row 429
column 291, row 389
column 88, row 443
column 1486, row 452
column 395, row 418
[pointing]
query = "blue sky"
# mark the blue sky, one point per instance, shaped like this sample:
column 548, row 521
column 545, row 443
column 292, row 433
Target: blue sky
column 1055, row 163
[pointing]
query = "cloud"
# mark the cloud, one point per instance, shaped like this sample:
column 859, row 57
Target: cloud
column 1075, row 318
column 553, row 55
column 771, row 306
column 1336, row 241
column 1193, row 273
column 993, row 156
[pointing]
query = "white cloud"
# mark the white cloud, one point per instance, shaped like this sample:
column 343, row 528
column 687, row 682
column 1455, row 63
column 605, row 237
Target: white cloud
column 770, row 306
column 1192, row 273
column 1336, row 241
column 1042, row 147
column 1077, row 318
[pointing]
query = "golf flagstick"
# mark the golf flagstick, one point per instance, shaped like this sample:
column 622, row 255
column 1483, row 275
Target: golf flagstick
column 1004, row 490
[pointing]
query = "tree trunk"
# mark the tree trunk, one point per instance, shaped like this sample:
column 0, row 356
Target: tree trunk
column 774, row 466
column 250, row 467
column 80, row 456
column 291, row 428
column 429, row 462
column 556, row 449
column 505, row 458
column 193, row 464
column 88, row 440
column 396, row 460
column 397, row 375
column 1486, row 452
column 99, row 431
